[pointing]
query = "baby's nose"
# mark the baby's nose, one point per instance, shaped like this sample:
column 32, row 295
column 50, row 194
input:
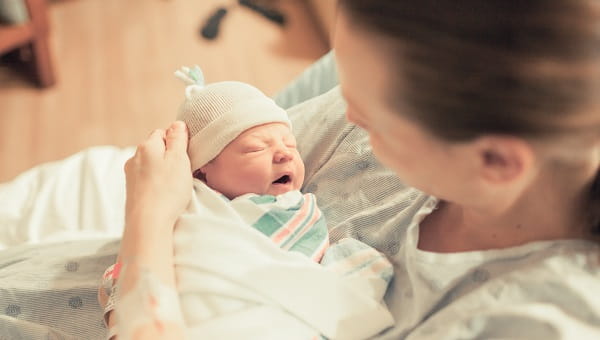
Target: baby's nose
column 283, row 155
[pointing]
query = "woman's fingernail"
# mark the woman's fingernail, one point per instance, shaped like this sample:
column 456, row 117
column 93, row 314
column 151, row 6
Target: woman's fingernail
column 179, row 125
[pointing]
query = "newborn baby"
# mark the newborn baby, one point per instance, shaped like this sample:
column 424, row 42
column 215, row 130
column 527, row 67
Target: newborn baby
column 242, row 146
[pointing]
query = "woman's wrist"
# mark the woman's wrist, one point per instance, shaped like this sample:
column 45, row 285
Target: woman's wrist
column 140, row 243
column 150, row 219
column 147, row 238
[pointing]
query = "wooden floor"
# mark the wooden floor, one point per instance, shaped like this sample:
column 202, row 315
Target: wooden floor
column 114, row 62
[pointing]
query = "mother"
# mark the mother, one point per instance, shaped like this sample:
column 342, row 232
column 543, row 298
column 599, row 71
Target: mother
column 492, row 108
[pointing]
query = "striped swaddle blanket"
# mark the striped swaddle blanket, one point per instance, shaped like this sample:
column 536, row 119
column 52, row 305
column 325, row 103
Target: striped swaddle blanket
column 294, row 222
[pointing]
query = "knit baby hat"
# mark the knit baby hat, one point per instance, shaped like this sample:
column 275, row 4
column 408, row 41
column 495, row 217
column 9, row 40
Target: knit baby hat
column 217, row 113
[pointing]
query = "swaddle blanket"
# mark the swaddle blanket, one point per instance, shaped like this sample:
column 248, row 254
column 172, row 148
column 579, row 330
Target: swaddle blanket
column 292, row 221
column 234, row 282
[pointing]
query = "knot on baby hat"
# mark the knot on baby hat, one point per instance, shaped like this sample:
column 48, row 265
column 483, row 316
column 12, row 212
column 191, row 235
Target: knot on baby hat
column 219, row 112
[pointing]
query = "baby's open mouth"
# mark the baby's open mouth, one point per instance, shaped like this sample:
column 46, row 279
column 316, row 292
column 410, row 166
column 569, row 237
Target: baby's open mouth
column 283, row 180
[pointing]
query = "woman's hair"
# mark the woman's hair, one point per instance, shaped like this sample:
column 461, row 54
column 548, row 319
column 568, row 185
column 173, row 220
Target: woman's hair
column 474, row 67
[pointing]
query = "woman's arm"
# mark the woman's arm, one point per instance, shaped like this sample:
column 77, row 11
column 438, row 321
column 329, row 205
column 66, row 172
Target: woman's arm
column 159, row 186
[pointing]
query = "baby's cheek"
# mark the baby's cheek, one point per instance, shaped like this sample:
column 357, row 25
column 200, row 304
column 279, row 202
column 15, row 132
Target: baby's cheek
column 252, row 182
column 301, row 169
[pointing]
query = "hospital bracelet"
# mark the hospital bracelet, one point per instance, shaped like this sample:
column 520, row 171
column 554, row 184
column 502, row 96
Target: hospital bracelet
column 112, row 272
column 109, row 280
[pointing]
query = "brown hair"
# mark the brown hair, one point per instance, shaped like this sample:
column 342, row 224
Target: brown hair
column 476, row 67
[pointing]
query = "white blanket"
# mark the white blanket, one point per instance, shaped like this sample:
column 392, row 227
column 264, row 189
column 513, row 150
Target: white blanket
column 80, row 197
column 236, row 283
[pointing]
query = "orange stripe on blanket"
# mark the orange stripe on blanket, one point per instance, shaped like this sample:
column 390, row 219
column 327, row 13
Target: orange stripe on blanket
column 319, row 255
column 357, row 259
column 309, row 224
column 307, row 227
column 320, row 249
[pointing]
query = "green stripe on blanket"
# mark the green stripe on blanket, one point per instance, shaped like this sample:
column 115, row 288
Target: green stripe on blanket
column 263, row 199
column 313, row 239
column 272, row 221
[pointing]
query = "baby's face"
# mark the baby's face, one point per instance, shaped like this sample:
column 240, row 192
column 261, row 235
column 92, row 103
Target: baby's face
column 261, row 160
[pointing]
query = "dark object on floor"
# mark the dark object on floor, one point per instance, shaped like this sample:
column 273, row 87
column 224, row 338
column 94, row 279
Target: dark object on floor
column 268, row 13
column 211, row 27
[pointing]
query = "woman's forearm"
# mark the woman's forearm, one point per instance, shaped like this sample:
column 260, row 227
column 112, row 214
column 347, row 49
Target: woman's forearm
column 147, row 279
column 159, row 187
column 148, row 244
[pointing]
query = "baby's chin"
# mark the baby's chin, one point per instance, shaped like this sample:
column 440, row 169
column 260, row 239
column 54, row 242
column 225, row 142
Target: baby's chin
column 281, row 188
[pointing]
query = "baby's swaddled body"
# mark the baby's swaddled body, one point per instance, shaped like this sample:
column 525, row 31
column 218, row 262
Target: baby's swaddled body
column 247, row 265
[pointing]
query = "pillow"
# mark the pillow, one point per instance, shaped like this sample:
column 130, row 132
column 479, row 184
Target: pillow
column 79, row 197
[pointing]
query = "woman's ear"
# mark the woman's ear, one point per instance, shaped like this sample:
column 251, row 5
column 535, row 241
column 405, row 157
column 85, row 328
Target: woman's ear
column 504, row 159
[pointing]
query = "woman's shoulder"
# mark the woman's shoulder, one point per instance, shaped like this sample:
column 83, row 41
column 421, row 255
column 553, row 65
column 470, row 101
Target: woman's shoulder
column 561, row 274
column 545, row 263
column 546, row 293
column 562, row 261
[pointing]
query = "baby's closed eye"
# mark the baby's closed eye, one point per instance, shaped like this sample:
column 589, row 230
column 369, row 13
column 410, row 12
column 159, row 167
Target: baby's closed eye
column 290, row 142
column 254, row 148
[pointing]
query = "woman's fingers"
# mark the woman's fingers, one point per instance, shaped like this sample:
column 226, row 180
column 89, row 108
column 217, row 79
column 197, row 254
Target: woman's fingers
column 176, row 139
column 158, row 176
column 155, row 143
column 151, row 148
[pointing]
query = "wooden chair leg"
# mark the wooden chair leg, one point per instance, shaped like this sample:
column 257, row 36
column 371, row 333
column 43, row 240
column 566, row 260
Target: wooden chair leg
column 42, row 62
column 42, row 65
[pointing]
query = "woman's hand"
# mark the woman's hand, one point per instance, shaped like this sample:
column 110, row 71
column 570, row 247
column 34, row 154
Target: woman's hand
column 159, row 188
column 159, row 179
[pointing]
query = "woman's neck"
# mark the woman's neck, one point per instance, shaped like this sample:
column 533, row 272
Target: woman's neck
column 550, row 209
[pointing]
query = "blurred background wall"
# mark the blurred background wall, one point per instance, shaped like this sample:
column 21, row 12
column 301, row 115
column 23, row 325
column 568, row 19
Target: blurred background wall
column 113, row 61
